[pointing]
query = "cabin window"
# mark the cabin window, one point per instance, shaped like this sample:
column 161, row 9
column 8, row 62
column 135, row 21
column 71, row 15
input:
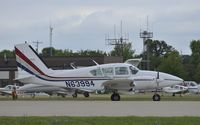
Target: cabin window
column 176, row 87
column 96, row 72
column 134, row 70
column 107, row 71
column 121, row 71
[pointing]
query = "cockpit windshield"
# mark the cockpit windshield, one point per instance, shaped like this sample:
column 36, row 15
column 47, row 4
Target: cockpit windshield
column 193, row 84
column 9, row 87
column 121, row 71
column 134, row 70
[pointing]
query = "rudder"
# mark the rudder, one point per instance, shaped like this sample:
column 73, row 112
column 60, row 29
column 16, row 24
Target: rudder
column 28, row 60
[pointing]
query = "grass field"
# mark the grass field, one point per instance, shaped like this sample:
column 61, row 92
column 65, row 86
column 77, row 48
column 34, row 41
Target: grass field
column 100, row 97
column 99, row 120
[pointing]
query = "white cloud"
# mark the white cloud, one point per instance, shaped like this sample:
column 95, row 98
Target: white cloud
column 83, row 24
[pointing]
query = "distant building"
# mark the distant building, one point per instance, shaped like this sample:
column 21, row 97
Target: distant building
column 8, row 67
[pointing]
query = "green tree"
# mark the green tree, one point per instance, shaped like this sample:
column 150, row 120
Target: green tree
column 46, row 51
column 124, row 50
column 195, row 48
column 67, row 52
column 188, row 66
column 157, row 49
column 7, row 53
column 197, row 73
column 91, row 53
column 171, row 63
column 194, row 60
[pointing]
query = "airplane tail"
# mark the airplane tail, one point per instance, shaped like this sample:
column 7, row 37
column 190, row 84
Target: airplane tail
column 29, row 62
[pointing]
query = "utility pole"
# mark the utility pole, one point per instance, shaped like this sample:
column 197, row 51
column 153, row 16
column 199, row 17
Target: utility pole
column 50, row 38
column 37, row 45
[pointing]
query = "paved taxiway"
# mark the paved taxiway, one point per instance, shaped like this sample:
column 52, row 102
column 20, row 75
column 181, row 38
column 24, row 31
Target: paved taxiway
column 99, row 108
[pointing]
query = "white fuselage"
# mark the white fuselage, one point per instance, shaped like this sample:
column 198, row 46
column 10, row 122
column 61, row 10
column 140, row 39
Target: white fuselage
column 92, row 78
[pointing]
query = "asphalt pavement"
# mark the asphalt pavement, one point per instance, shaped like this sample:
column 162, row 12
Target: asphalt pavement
column 99, row 108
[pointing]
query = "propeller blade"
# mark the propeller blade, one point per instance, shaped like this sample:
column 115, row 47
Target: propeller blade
column 157, row 80
column 158, row 75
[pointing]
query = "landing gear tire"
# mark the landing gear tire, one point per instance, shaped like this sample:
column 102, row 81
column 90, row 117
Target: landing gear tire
column 63, row 96
column 86, row 94
column 156, row 97
column 33, row 95
column 74, row 95
column 115, row 97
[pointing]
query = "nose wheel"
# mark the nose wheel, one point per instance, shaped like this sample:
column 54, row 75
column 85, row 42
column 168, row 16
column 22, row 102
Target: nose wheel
column 156, row 97
column 115, row 97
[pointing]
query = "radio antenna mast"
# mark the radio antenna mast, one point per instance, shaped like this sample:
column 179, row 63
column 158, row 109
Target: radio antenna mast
column 50, row 38
column 37, row 45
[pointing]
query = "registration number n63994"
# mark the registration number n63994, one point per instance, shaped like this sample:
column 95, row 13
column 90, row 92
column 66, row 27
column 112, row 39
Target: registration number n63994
column 79, row 83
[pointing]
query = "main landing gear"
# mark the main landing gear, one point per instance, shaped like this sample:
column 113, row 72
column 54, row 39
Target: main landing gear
column 115, row 96
column 86, row 94
column 156, row 97
column 74, row 95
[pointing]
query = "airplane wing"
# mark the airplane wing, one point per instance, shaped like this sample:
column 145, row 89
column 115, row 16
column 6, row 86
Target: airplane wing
column 6, row 92
column 119, row 84
column 23, row 78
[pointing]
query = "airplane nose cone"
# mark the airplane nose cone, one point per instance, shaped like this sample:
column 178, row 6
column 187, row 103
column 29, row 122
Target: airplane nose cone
column 170, row 80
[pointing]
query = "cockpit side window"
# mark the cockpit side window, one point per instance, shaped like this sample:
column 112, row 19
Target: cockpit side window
column 108, row 71
column 9, row 87
column 96, row 72
column 134, row 70
column 121, row 71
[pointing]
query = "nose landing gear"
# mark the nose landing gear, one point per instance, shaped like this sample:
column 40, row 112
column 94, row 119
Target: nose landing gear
column 115, row 96
column 156, row 97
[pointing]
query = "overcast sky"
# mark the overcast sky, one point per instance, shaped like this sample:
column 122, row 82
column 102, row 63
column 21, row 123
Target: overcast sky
column 82, row 24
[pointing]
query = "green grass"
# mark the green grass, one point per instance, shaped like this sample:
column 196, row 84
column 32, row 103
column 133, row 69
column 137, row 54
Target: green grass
column 99, row 120
column 106, row 97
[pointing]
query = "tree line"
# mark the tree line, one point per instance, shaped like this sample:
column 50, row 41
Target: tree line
column 167, row 59
column 162, row 57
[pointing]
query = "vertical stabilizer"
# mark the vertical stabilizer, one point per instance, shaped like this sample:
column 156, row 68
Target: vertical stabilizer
column 28, row 60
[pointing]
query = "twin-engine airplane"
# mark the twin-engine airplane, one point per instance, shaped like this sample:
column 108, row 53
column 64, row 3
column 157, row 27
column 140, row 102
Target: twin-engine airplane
column 116, row 77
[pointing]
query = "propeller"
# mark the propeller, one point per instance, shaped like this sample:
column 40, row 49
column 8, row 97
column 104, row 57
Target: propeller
column 157, row 79
column 158, row 75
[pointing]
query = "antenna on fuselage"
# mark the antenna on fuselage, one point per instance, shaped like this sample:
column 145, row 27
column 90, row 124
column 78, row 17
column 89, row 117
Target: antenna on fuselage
column 73, row 65
column 95, row 62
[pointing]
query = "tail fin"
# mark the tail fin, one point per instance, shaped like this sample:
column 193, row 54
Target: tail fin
column 29, row 61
